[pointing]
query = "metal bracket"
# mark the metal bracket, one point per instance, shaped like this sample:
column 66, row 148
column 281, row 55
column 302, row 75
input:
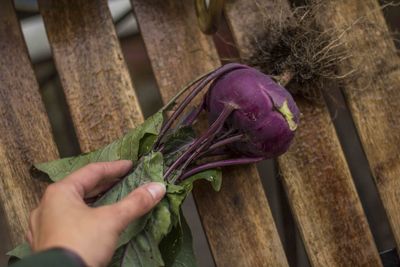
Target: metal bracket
column 390, row 258
column 209, row 15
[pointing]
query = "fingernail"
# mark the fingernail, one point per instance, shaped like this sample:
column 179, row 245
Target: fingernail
column 157, row 190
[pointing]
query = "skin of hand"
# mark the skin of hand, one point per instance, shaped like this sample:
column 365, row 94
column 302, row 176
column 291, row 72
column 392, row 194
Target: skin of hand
column 64, row 220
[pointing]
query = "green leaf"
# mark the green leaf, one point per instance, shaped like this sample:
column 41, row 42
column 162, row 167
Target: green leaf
column 165, row 223
column 214, row 176
column 142, row 251
column 177, row 142
column 177, row 247
column 175, row 250
column 19, row 252
column 147, row 143
column 131, row 146
column 148, row 169
column 176, row 194
column 117, row 257
column 159, row 224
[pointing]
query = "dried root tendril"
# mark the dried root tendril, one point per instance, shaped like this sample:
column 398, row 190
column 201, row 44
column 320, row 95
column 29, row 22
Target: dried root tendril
column 298, row 52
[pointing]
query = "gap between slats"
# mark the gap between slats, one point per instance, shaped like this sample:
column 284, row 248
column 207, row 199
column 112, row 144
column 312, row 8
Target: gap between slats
column 360, row 171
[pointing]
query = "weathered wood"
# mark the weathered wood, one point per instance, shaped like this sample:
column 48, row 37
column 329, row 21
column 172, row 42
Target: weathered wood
column 315, row 174
column 323, row 196
column 25, row 131
column 373, row 93
column 237, row 220
column 93, row 73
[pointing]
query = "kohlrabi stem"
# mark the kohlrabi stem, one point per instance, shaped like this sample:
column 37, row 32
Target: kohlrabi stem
column 226, row 133
column 198, row 151
column 183, row 90
column 217, row 164
column 223, row 142
column 206, row 148
column 193, row 115
column 202, row 82
column 217, row 152
column 215, row 127
column 192, row 157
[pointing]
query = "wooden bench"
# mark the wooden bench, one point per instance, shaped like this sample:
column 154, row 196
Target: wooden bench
column 238, row 222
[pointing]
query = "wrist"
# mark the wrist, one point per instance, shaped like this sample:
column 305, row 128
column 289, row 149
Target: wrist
column 57, row 256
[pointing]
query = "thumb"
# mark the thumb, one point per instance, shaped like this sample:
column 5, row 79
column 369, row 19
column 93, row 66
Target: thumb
column 136, row 204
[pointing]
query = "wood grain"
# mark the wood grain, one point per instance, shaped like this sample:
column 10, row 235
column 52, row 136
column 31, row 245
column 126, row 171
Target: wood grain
column 315, row 174
column 237, row 220
column 93, row 73
column 373, row 94
column 25, row 131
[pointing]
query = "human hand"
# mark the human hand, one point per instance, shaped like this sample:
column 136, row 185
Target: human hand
column 64, row 220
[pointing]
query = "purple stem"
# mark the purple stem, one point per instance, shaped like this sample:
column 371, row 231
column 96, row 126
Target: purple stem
column 225, row 134
column 224, row 142
column 218, row 164
column 193, row 115
column 206, row 148
column 201, row 152
column 195, row 90
column 216, row 152
column 211, row 132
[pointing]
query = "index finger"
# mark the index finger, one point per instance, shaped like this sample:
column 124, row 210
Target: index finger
column 85, row 179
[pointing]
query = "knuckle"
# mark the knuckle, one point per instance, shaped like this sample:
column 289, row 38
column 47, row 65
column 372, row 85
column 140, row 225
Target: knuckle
column 144, row 198
column 97, row 167
column 54, row 190
column 51, row 190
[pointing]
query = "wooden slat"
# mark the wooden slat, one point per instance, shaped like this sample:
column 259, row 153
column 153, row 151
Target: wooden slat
column 374, row 93
column 315, row 174
column 25, row 131
column 237, row 220
column 92, row 70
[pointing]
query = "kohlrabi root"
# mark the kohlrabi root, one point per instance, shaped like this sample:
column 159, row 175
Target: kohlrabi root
column 296, row 51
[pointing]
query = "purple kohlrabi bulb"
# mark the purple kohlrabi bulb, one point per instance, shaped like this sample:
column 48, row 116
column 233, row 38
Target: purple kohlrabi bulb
column 265, row 112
